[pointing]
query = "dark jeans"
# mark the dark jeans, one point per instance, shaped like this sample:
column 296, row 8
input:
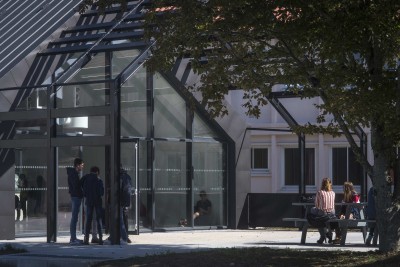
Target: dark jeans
column 17, row 207
column 125, row 213
column 124, row 232
column 75, row 206
column 89, row 218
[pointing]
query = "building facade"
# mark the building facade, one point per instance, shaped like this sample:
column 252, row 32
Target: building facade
column 74, row 85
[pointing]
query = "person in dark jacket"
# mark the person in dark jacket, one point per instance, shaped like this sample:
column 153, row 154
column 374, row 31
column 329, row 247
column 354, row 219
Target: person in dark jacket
column 76, row 192
column 126, row 188
column 125, row 201
column 93, row 190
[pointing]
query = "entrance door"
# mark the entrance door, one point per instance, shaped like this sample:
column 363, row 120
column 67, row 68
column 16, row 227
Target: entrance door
column 129, row 162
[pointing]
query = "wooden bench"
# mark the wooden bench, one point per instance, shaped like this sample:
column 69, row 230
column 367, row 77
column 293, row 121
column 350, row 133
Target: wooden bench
column 344, row 224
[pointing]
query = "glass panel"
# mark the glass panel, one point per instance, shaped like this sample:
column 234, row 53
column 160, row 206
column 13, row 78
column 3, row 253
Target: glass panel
column 339, row 165
column 121, row 59
column 92, row 156
column 260, row 158
column 133, row 105
column 93, row 70
column 201, row 129
column 27, row 99
column 30, row 192
column 170, row 176
column 65, row 66
column 209, row 178
column 83, row 95
column 310, row 166
column 128, row 162
column 292, row 166
column 169, row 111
column 355, row 169
column 83, row 126
column 145, row 178
column 25, row 129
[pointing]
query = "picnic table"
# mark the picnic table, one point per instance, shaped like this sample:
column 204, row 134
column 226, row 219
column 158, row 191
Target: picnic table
column 344, row 224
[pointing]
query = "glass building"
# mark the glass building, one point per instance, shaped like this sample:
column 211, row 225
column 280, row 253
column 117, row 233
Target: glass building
column 88, row 94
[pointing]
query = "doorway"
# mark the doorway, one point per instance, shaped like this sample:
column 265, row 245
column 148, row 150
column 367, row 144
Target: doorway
column 129, row 164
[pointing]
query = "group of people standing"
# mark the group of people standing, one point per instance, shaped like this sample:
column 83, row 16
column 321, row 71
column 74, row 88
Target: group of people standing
column 324, row 210
column 91, row 188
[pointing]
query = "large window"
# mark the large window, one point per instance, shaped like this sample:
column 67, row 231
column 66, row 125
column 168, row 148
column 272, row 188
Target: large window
column 292, row 166
column 345, row 166
column 30, row 178
column 259, row 159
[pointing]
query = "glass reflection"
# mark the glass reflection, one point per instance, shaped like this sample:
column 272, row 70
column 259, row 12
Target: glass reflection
column 171, row 189
column 209, row 178
column 133, row 105
column 82, row 95
column 82, row 126
column 30, row 192
column 169, row 110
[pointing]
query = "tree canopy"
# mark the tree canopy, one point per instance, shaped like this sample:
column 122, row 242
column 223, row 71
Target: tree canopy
column 346, row 52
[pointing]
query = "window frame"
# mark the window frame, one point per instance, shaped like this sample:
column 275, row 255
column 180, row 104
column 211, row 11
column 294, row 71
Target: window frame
column 284, row 167
column 348, row 158
column 252, row 160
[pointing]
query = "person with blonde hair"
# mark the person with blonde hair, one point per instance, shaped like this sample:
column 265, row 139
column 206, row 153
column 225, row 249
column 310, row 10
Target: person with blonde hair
column 323, row 211
column 349, row 193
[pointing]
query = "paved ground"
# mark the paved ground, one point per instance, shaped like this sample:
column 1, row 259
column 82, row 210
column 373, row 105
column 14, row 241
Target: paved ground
column 61, row 253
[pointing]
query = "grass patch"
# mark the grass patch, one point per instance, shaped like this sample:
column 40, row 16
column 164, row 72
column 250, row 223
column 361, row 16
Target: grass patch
column 9, row 249
column 260, row 257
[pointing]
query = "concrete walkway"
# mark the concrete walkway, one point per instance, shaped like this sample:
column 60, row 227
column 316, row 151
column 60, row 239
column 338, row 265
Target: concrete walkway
column 40, row 253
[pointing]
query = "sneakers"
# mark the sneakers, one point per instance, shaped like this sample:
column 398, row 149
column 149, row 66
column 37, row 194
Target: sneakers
column 75, row 242
column 129, row 240
column 123, row 242
column 95, row 240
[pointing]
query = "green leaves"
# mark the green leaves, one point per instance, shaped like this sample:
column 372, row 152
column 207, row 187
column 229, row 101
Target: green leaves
column 346, row 49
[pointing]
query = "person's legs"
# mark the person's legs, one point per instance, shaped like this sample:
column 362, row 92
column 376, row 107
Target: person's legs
column 124, row 234
column 23, row 208
column 95, row 239
column 76, row 204
column 99, row 225
column 17, row 207
column 88, row 225
column 370, row 235
column 126, row 216
column 338, row 236
column 322, row 231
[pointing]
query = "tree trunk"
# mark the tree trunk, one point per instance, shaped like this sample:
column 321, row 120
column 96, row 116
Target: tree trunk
column 387, row 210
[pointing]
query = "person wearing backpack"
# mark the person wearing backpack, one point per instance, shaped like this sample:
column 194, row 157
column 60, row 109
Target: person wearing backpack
column 124, row 197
